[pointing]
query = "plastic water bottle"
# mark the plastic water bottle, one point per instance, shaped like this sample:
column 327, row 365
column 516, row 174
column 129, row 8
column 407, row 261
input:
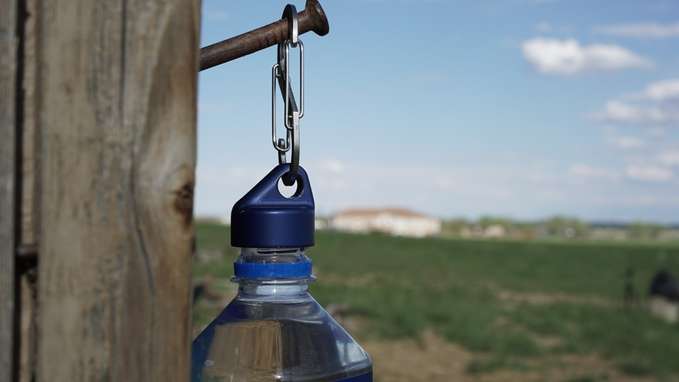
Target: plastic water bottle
column 274, row 330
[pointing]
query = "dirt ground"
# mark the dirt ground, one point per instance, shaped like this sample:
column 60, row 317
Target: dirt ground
column 433, row 359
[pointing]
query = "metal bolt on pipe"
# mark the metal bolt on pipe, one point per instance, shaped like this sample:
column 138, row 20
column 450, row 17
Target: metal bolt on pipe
column 312, row 18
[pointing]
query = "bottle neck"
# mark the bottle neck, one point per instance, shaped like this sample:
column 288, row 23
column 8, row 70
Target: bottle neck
column 272, row 289
column 272, row 255
column 266, row 274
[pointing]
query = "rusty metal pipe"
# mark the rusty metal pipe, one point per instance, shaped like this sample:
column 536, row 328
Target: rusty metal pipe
column 312, row 18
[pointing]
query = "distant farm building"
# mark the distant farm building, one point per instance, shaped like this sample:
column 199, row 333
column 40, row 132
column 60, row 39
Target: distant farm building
column 392, row 221
column 494, row 231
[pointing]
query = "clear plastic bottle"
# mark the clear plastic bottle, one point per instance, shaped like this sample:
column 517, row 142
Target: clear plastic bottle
column 275, row 331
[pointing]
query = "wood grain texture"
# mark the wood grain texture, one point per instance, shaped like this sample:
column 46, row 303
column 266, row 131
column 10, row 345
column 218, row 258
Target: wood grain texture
column 26, row 306
column 30, row 170
column 27, row 200
column 117, row 97
column 27, row 331
column 8, row 152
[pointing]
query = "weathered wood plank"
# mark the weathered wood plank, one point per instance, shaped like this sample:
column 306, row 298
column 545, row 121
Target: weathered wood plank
column 8, row 152
column 29, row 153
column 26, row 305
column 117, row 87
column 27, row 334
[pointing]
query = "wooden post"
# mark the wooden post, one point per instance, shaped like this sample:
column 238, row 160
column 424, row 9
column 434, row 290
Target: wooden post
column 8, row 182
column 27, row 200
column 116, row 86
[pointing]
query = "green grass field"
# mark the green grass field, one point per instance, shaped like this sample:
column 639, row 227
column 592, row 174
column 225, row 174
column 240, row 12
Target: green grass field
column 509, row 303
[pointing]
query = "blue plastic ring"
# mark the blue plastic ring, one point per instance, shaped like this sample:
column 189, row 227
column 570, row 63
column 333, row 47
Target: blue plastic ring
column 297, row 270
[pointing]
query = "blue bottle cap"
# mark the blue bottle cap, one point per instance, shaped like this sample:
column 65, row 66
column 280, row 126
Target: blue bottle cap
column 264, row 218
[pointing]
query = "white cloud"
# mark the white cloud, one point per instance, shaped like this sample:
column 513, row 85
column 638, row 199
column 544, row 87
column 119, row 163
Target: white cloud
column 656, row 105
column 669, row 158
column 622, row 112
column 554, row 56
column 587, row 171
column 648, row 173
column 640, row 30
column 626, row 142
column 660, row 91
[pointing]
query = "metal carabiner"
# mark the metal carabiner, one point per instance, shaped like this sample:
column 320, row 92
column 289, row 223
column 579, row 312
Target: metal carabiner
column 286, row 88
column 290, row 14
column 292, row 113
column 291, row 140
column 281, row 145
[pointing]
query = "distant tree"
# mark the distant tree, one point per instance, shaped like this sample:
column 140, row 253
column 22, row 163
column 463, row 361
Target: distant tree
column 454, row 227
column 644, row 231
column 565, row 227
column 487, row 221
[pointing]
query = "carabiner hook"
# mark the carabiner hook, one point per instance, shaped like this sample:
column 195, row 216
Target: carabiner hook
column 290, row 13
column 292, row 113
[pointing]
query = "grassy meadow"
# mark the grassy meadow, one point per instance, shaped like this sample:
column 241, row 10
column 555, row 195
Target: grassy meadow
column 514, row 308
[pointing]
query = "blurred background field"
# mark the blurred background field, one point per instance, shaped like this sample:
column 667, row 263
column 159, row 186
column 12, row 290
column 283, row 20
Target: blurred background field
column 489, row 310
column 535, row 144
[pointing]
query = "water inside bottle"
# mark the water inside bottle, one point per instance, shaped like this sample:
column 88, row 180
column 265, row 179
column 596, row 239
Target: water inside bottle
column 255, row 340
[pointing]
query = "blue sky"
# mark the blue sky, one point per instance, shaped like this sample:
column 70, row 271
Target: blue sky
column 520, row 108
